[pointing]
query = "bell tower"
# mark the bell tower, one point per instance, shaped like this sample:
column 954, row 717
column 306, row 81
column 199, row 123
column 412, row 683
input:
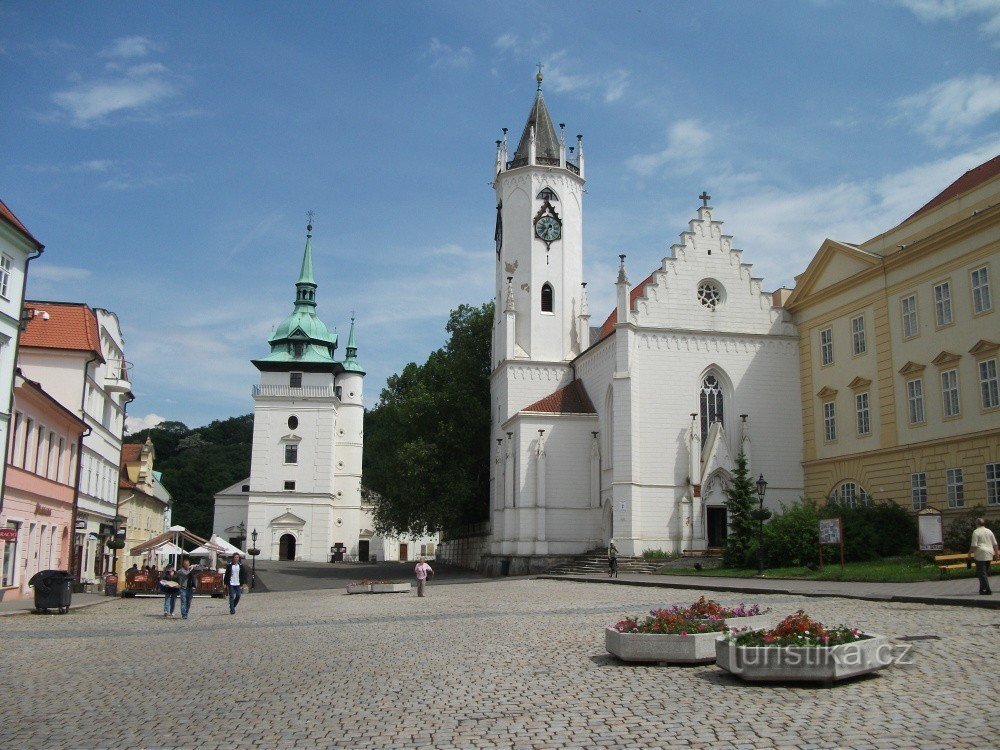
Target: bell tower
column 539, row 243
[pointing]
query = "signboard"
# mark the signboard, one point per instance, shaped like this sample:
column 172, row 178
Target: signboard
column 8, row 535
column 930, row 530
column 829, row 531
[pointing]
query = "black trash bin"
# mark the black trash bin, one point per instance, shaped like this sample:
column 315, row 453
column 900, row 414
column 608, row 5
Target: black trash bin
column 53, row 590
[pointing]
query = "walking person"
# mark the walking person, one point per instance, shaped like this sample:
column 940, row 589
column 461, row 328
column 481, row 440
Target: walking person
column 421, row 570
column 612, row 560
column 185, row 579
column 984, row 550
column 170, row 588
column 235, row 578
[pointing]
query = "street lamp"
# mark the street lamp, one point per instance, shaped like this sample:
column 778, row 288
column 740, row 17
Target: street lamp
column 762, row 515
column 253, row 552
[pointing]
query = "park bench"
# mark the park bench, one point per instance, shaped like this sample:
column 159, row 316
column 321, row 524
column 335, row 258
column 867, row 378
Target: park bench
column 955, row 562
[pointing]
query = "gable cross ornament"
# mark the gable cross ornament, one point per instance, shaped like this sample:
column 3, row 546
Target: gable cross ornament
column 705, row 198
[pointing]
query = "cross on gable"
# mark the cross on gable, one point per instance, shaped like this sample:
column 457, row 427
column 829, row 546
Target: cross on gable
column 705, row 198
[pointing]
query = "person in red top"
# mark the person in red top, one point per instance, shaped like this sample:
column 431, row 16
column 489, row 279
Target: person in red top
column 422, row 569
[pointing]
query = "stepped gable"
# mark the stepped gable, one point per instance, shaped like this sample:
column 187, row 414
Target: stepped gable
column 609, row 325
column 973, row 178
column 572, row 399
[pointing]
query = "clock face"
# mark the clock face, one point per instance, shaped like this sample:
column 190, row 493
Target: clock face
column 548, row 228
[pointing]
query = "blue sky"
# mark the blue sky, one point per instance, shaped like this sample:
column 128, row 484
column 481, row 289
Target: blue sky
column 166, row 153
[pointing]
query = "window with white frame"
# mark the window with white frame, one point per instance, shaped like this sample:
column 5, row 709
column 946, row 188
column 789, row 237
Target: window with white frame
column 908, row 307
column 858, row 343
column 982, row 301
column 830, row 421
column 956, row 488
column 949, row 392
column 942, row 304
column 849, row 494
column 915, row 400
column 864, row 416
column 10, row 554
column 291, row 453
column 5, row 263
column 826, row 346
column 918, row 490
column 988, row 383
column 993, row 484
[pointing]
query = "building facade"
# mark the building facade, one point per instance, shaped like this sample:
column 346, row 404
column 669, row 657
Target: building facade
column 899, row 341
column 77, row 354
column 17, row 248
column 144, row 505
column 39, row 493
column 628, row 430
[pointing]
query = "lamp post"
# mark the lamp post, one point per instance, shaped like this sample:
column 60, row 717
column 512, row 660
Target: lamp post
column 762, row 515
column 253, row 552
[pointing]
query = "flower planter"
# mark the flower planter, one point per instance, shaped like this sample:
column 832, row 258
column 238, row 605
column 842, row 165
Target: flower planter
column 804, row 663
column 390, row 588
column 757, row 622
column 359, row 588
column 693, row 648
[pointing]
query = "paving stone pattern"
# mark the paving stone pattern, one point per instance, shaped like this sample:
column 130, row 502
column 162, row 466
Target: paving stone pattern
column 499, row 664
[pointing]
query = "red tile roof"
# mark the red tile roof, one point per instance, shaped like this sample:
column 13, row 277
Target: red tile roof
column 609, row 325
column 572, row 399
column 7, row 215
column 973, row 178
column 71, row 325
column 130, row 452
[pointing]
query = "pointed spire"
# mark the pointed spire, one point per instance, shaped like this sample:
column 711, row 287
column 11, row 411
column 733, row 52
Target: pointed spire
column 305, row 287
column 538, row 128
column 351, row 363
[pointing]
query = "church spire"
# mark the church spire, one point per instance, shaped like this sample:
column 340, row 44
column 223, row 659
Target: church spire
column 538, row 130
column 305, row 287
column 351, row 363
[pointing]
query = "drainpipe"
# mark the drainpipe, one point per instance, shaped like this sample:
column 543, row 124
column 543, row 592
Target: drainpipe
column 17, row 343
column 118, row 505
column 79, row 464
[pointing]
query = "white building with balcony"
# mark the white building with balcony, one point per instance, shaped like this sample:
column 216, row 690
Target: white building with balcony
column 77, row 354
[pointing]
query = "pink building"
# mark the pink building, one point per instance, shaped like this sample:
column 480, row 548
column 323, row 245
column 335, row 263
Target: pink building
column 40, row 488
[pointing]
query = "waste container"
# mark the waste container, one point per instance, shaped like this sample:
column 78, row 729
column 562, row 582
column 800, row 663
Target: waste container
column 53, row 590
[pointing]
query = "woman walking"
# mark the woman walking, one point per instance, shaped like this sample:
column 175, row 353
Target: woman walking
column 170, row 588
column 612, row 560
column 421, row 570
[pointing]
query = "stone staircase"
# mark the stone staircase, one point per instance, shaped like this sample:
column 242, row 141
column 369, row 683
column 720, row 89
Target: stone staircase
column 594, row 563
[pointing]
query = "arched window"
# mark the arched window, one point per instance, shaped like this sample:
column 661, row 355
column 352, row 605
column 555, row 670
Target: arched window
column 711, row 404
column 547, row 297
column 546, row 194
column 850, row 495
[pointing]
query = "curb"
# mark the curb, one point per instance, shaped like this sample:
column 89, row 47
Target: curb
column 899, row 598
column 73, row 607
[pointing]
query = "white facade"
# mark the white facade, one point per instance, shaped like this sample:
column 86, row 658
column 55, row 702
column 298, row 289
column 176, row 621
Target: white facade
column 606, row 440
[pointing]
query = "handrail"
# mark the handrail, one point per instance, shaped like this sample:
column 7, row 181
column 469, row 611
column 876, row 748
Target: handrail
column 306, row 391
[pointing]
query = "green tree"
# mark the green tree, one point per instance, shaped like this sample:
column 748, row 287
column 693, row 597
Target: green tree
column 741, row 502
column 427, row 439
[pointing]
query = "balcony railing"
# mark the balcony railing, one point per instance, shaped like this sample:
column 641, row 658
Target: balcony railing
column 546, row 161
column 119, row 375
column 306, row 391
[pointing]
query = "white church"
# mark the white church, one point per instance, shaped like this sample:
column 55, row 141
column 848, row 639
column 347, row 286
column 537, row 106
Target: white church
column 626, row 431
column 303, row 496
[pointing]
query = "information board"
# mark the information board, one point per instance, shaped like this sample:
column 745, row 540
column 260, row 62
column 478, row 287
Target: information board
column 829, row 531
column 930, row 530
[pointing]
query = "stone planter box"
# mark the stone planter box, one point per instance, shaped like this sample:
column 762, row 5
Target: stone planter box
column 757, row 622
column 359, row 588
column 804, row 664
column 693, row 648
column 390, row 588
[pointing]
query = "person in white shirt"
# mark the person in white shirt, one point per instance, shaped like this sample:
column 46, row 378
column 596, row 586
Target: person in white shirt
column 235, row 577
column 983, row 550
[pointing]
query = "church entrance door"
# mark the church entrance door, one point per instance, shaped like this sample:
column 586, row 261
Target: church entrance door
column 718, row 527
column 286, row 547
column 363, row 550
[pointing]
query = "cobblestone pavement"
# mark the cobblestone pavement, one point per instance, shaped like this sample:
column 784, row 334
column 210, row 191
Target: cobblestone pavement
column 513, row 663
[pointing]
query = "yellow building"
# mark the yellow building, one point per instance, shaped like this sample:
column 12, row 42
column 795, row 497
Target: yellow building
column 143, row 504
column 899, row 340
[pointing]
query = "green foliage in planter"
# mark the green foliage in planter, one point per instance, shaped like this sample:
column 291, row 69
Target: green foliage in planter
column 958, row 530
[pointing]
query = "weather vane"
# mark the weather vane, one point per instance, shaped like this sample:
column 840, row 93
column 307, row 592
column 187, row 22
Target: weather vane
column 310, row 214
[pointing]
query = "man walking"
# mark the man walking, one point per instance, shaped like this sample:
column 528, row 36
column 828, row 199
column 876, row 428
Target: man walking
column 185, row 579
column 983, row 550
column 235, row 578
column 422, row 569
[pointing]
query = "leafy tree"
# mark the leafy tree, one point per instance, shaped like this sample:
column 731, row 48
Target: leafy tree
column 958, row 530
column 427, row 440
column 741, row 503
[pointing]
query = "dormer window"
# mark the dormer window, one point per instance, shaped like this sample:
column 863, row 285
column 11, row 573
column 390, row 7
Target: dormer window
column 547, row 298
column 295, row 380
column 298, row 348
column 546, row 194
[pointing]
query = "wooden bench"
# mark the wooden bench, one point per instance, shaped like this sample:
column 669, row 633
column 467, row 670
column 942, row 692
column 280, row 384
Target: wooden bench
column 955, row 562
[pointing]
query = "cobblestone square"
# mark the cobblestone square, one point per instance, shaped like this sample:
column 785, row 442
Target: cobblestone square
column 509, row 664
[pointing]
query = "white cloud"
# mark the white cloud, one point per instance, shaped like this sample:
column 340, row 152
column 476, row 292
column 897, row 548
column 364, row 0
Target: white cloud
column 92, row 102
column 445, row 56
column 505, row 42
column 55, row 273
column 931, row 11
column 130, row 46
column 559, row 76
column 945, row 110
column 687, row 144
column 134, row 424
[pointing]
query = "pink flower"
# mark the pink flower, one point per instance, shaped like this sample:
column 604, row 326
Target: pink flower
column 683, row 633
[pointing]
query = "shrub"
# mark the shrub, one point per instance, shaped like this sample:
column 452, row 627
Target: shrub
column 880, row 529
column 657, row 554
column 792, row 537
column 958, row 531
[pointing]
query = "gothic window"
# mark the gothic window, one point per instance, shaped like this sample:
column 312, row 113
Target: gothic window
column 547, row 297
column 710, row 294
column 546, row 194
column 711, row 404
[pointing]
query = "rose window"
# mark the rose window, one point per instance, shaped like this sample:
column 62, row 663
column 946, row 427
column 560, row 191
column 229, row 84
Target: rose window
column 709, row 294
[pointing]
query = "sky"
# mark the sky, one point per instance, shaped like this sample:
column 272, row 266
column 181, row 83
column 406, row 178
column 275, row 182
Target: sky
column 167, row 153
